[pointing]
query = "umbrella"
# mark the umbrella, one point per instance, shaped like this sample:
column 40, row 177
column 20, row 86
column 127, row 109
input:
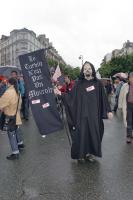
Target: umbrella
column 6, row 70
column 121, row 75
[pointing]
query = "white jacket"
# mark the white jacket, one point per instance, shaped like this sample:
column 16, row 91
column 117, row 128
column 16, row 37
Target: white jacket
column 122, row 104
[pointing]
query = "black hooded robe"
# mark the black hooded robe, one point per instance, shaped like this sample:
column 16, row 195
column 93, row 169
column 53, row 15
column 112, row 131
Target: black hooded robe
column 86, row 106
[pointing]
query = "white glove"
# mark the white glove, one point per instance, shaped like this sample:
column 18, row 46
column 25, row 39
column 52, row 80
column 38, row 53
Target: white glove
column 56, row 91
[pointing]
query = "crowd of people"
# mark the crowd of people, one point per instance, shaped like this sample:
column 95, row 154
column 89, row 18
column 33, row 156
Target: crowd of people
column 122, row 89
column 87, row 102
column 125, row 103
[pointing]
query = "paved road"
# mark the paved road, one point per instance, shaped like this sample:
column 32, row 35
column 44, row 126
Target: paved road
column 45, row 170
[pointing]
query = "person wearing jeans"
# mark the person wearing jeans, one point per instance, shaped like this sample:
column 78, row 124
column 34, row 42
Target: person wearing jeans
column 15, row 140
column 10, row 104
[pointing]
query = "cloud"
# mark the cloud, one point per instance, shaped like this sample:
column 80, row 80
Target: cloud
column 91, row 28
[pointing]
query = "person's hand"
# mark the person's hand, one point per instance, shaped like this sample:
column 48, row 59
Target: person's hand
column 73, row 128
column 110, row 115
column 56, row 91
column 59, row 87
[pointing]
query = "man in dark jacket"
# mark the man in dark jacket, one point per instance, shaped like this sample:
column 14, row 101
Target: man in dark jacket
column 86, row 107
column 108, row 88
column 117, row 92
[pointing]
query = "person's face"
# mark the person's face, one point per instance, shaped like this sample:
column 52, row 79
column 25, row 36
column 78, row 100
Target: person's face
column 117, row 81
column 131, row 79
column 87, row 71
column 67, row 80
column 21, row 78
column 13, row 75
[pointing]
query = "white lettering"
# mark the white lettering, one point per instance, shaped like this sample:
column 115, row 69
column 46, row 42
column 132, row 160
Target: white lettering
column 31, row 58
column 38, row 84
column 32, row 66
column 34, row 93
column 36, row 78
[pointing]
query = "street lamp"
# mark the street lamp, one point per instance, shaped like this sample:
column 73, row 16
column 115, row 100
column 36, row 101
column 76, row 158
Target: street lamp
column 81, row 58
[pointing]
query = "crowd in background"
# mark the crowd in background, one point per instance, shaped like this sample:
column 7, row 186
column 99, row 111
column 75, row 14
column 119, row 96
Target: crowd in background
column 121, row 89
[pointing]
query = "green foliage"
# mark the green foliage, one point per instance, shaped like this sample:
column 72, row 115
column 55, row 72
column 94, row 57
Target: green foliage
column 118, row 64
column 65, row 69
column 52, row 63
column 72, row 72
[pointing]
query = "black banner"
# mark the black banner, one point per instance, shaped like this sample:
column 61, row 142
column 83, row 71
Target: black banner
column 39, row 87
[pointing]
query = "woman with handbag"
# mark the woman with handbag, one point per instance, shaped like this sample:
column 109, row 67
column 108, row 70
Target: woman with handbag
column 10, row 104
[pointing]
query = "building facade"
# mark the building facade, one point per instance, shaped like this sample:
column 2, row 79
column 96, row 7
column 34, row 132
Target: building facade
column 23, row 41
column 126, row 50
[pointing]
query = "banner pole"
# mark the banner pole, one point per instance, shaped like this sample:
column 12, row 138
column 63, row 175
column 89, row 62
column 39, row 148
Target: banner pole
column 67, row 133
column 63, row 119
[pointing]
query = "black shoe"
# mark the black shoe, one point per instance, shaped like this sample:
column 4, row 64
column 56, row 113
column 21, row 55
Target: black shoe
column 21, row 146
column 90, row 158
column 26, row 118
column 13, row 156
column 81, row 161
column 129, row 140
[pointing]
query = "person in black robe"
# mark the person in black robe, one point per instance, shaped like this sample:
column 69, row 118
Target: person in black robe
column 86, row 106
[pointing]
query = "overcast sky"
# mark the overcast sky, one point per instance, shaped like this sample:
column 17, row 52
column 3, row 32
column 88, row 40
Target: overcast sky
column 91, row 28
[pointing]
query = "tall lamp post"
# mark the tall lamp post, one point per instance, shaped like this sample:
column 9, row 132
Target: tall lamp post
column 81, row 58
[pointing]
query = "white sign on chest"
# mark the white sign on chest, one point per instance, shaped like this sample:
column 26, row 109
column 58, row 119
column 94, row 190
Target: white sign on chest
column 90, row 88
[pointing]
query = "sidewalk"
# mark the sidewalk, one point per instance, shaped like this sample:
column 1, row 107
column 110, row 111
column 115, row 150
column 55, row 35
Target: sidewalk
column 45, row 170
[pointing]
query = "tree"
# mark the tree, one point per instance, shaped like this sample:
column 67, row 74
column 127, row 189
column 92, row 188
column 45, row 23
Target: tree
column 52, row 63
column 65, row 69
column 117, row 64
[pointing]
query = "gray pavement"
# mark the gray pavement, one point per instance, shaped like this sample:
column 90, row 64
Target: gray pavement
column 45, row 170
